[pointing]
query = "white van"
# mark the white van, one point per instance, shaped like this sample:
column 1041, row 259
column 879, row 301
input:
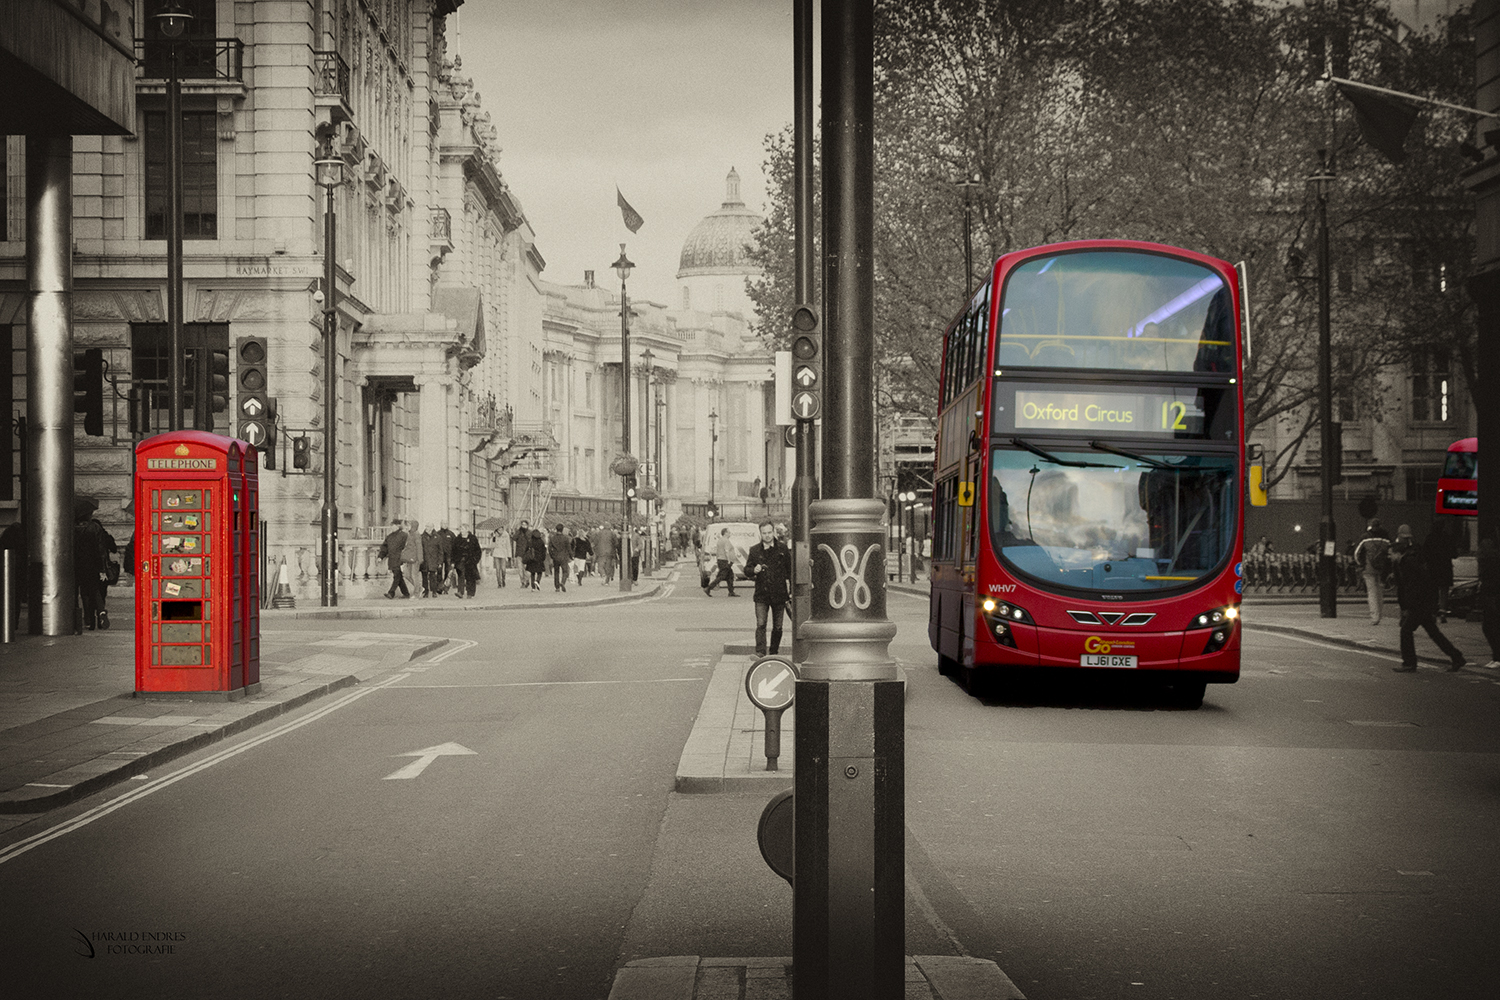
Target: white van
column 742, row 533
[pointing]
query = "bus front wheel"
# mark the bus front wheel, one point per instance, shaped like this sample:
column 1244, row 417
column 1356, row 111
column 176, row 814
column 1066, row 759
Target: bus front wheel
column 1186, row 694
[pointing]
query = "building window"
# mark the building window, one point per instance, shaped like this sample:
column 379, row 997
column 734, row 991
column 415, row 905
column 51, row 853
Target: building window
column 687, row 298
column 588, row 390
column 200, row 175
column 150, row 367
column 1431, row 387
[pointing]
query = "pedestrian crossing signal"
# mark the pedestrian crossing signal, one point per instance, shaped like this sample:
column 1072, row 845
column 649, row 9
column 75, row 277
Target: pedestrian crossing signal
column 301, row 452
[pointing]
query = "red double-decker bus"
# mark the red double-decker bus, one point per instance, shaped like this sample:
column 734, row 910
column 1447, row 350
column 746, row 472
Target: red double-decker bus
column 1089, row 480
column 1458, row 486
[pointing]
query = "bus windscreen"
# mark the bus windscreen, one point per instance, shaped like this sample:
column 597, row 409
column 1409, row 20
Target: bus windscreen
column 1107, row 522
column 1116, row 310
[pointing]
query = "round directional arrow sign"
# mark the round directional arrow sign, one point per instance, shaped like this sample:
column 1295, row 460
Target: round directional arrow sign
column 253, row 406
column 771, row 682
column 253, row 432
column 805, row 405
column 805, row 377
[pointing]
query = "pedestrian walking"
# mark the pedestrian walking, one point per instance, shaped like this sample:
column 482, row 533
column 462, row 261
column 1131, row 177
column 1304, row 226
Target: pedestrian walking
column 90, row 554
column 393, row 550
column 769, row 563
column 724, row 554
column 445, row 537
column 560, row 551
column 582, row 550
column 411, row 556
column 432, row 564
column 500, row 551
column 604, row 552
column 468, row 562
column 520, row 543
column 536, row 558
column 1372, row 555
column 1417, row 596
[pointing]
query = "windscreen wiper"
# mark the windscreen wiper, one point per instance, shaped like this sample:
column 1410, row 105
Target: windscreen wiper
column 1101, row 446
column 1039, row 453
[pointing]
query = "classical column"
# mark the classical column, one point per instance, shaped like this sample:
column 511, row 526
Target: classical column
column 49, row 584
column 431, row 499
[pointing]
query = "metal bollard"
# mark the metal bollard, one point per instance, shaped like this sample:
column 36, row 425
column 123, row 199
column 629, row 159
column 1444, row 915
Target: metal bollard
column 9, row 607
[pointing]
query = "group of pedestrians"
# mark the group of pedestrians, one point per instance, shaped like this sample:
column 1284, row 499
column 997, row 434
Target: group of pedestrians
column 444, row 560
column 1423, row 575
column 568, row 555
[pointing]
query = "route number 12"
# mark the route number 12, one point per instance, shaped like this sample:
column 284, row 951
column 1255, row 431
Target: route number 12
column 1173, row 415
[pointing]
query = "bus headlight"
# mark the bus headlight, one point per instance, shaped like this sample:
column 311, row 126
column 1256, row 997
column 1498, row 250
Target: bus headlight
column 1218, row 616
column 1000, row 616
column 1220, row 622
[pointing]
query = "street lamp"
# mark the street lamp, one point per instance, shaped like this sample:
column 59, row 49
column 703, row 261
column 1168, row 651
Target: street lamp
column 968, row 184
column 713, row 453
column 908, row 502
column 648, row 558
column 172, row 20
column 329, row 171
column 623, row 267
column 1328, row 606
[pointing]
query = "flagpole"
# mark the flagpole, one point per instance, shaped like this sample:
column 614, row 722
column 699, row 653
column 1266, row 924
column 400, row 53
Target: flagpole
column 1407, row 97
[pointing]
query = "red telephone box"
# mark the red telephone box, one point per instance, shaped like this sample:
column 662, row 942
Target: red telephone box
column 197, row 595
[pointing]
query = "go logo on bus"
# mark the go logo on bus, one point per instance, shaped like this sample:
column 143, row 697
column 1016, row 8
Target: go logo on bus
column 1094, row 644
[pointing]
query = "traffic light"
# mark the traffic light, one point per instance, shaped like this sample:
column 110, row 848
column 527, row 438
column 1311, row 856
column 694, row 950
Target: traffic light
column 218, row 383
column 253, row 422
column 807, row 363
column 630, row 484
column 269, row 448
column 301, row 452
column 88, row 389
column 713, row 510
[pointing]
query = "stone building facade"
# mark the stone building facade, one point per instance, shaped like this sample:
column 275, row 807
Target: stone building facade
column 439, row 304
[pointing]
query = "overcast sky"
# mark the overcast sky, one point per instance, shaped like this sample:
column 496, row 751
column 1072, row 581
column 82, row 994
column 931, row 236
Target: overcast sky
column 661, row 97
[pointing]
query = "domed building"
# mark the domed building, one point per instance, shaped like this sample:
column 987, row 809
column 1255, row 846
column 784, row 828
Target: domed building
column 715, row 258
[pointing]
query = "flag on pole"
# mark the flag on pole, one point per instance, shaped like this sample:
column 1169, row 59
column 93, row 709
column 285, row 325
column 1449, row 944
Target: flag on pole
column 633, row 220
column 1383, row 121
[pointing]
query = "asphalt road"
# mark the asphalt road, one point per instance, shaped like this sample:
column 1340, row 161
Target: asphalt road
column 1323, row 829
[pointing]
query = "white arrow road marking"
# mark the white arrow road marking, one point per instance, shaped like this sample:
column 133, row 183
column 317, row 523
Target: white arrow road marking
column 767, row 688
column 425, row 757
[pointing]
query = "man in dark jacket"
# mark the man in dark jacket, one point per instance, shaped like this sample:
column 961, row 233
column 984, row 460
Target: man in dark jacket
column 560, row 551
column 394, row 549
column 769, row 562
column 1417, row 595
column 468, row 554
column 432, row 563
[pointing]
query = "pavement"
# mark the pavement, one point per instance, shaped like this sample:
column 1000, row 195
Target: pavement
column 71, row 724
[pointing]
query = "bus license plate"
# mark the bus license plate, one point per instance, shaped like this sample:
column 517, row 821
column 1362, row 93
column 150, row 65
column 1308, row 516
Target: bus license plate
column 1105, row 660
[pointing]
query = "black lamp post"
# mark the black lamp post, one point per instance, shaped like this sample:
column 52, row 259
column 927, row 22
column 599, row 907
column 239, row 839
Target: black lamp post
column 172, row 19
column 623, row 267
column 648, row 558
column 713, row 453
column 968, row 184
column 330, row 174
column 1328, row 606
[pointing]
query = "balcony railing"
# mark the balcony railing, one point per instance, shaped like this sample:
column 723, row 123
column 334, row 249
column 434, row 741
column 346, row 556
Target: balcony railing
column 333, row 79
column 197, row 59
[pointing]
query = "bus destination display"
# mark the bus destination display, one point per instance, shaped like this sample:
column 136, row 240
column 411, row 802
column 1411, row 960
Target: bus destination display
column 1171, row 414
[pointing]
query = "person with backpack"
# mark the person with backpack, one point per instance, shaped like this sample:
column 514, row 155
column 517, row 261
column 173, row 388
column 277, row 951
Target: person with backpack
column 1373, row 556
column 1416, row 593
